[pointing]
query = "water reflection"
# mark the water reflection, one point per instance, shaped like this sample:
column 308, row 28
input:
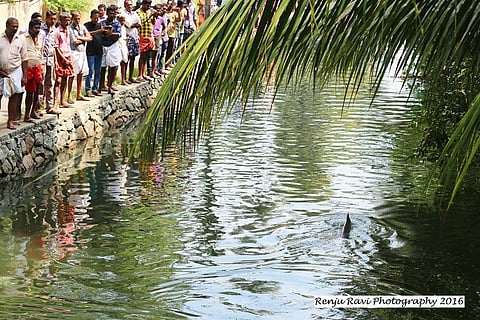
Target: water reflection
column 247, row 227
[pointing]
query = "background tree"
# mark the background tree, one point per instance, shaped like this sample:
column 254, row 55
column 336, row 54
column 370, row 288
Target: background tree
column 69, row 5
column 249, row 42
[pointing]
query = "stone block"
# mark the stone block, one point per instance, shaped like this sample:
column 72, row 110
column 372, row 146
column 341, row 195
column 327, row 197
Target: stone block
column 38, row 150
column 49, row 141
column 69, row 126
column 39, row 137
column 80, row 118
column 81, row 133
column 28, row 162
column 29, row 142
column 89, row 128
column 3, row 152
column 40, row 160
column 7, row 167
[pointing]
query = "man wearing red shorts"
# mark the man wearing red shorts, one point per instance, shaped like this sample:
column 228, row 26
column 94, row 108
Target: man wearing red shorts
column 145, row 32
column 34, row 68
column 63, row 58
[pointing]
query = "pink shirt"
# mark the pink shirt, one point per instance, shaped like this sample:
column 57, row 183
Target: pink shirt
column 12, row 54
column 62, row 41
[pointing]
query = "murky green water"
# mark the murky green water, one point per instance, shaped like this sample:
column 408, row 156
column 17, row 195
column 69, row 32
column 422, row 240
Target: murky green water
column 246, row 228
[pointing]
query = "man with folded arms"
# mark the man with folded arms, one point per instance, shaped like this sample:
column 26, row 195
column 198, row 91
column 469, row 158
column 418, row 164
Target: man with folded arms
column 132, row 23
column 79, row 36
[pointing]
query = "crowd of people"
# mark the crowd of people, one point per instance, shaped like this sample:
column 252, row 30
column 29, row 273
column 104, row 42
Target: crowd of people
column 45, row 58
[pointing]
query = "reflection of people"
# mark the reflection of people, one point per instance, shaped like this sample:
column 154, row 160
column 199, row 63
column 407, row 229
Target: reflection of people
column 65, row 225
column 153, row 172
column 31, row 223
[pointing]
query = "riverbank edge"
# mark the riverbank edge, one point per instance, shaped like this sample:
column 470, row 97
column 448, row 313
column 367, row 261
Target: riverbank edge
column 32, row 146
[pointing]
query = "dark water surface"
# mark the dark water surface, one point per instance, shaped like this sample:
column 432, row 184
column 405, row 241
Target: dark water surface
column 247, row 227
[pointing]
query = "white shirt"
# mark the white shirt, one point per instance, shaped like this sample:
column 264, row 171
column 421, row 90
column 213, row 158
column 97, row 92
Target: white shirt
column 130, row 19
column 12, row 54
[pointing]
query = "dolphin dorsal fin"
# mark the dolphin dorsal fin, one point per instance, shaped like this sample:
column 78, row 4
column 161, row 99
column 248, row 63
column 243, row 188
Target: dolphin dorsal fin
column 347, row 227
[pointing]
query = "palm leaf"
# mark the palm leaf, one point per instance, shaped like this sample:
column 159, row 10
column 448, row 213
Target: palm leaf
column 249, row 42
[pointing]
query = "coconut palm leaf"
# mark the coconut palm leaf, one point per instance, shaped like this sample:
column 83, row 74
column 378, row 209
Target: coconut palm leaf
column 246, row 43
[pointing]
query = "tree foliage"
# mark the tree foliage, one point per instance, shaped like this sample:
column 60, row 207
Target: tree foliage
column 248, row 42
column 445, row 98
column 68, row 5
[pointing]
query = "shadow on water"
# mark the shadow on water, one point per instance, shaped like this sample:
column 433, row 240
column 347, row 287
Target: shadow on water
column 246, row 228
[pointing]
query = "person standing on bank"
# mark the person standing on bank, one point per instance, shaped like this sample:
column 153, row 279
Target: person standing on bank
column 37, row 112
column 122, row 41
column 34, row 69
column 145, row 31
column 13, row 69
column 47, row 32
column 63, row 58
column 94, row 54
column 132, row 22
column 79, row 35
column 111, row 50
column 102, row 15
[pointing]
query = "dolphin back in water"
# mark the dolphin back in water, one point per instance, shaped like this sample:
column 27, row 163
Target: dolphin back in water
column 347, row 227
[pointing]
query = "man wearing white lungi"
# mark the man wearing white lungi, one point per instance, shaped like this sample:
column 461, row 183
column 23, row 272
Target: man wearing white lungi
column 112, row 55
column 79, row 36
column 13, row 70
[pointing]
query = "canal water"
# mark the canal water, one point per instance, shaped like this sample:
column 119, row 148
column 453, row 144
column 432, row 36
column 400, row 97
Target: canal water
column 246, row 227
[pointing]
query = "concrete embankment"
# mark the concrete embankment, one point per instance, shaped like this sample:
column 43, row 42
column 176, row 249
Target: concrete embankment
column 31, row 146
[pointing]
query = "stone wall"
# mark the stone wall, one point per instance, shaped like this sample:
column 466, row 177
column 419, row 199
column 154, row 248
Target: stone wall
column 30, row 147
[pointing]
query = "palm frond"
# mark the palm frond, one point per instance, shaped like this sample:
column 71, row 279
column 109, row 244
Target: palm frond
column 246, row 42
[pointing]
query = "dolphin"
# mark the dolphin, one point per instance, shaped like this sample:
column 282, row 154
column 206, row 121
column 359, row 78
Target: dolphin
column 347, row 227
